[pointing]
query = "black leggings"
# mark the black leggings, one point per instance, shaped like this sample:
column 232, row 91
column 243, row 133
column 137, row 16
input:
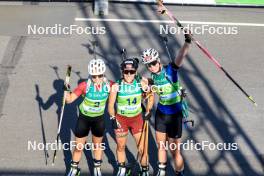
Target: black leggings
column 85, row 124
column 169, row 124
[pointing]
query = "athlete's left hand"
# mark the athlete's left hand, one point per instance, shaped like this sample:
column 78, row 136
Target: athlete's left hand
column 161, row 10
column 188, row 38
column 147, row 116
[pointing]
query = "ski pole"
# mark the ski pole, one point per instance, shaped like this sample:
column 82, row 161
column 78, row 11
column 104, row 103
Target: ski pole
column 95, row 44
column 145, row 143
column 67, row 81
column 165, row 41
column 124, row 53
column 55, row 68
column 42, row 127
column 205, row 51
column 143, row 140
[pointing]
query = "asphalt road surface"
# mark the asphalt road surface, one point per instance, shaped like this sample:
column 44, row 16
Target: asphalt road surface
column 222, row 114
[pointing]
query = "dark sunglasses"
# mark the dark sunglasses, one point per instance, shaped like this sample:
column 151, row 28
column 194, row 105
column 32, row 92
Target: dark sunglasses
column 131, row 72
column 152, row 63
column 95, row 76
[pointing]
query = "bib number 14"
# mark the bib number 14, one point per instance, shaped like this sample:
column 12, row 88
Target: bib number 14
column 134, row 101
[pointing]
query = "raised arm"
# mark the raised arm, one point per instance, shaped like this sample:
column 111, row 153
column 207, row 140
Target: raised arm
column 183, row 51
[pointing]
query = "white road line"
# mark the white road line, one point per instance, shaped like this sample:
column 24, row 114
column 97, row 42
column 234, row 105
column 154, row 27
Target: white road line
column 168, row 21
column 175, row 1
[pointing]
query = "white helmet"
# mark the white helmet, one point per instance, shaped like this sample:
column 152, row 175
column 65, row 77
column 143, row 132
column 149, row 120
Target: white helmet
column 96, row 67
column 150, row 55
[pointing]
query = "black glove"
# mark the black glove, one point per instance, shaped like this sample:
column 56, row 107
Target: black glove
column 150, row 82
column 115, row 123
column 66, row 87
column 188, row 38
column 183, row 93
column 147, row 116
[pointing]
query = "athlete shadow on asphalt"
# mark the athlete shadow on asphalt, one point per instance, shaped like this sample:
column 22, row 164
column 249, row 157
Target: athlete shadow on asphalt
column 40, row 173
column 69, row 118
column 46, row 153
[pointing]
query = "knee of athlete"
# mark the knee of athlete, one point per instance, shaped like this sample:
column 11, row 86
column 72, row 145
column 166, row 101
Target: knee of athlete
column 177, row 152
column 79, row 148
column 98, row 146
column 121, row 148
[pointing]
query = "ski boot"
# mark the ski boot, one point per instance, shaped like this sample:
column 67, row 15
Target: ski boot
column 74, row 171
column 162, row 169
column 97, row 168
column 121, row 169
column 129, row 170
column 144, row 171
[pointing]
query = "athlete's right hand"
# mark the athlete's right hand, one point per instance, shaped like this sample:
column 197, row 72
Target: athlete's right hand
column 66, row 87
column 115, row 123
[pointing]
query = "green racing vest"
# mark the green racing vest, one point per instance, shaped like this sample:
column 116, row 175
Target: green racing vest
column 168, row 91
column 94, row 102
column 129, row 98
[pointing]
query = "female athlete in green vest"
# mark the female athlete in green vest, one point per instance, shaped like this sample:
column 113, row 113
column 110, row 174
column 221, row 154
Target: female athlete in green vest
column 127, row 94
column 168, row 119
column 95, row 91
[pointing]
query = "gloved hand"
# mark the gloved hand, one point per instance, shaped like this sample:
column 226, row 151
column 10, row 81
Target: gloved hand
column 147, row 116
column 161, row 10
column 183, row 93
column 66, row 87
column 150, row 82
column 115, row 123
column 188, row 38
